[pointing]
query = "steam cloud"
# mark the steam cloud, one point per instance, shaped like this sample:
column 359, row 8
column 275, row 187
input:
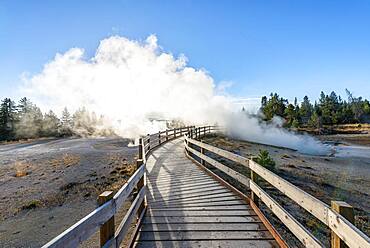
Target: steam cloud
column 133, row 82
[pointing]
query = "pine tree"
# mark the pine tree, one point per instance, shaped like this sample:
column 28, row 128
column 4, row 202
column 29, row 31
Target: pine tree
column 66, row 123
column 50, row 125
column 275, row 105
column 356, row 105
column 30, row 120
column 83, row 123
column 314, row 121
column 290, row 114
column 24, row 105
column 305, row 111
column 7, row 119
column 263, row 102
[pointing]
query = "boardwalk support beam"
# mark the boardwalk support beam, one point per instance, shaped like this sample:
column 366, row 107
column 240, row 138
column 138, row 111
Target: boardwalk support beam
column 347, row 212
column 107, row 229
column 140, row 185
column 254, row 197
column 202, row 161
column 140, row 148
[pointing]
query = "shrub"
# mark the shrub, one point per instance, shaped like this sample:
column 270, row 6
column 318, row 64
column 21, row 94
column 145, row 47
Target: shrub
column 265, row 160
column 32, row 204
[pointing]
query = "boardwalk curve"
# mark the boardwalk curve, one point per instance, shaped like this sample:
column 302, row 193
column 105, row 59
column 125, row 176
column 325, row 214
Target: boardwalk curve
column 189, row 208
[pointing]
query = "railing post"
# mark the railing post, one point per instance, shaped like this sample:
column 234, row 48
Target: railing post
column 202, row 161
column 140, row 184
column 148, row 143
column 254, row 197
column 107, row 229
column 159, row 137
column 174, row 132
column 141, row 148
column 347, row 212
column 166, row 134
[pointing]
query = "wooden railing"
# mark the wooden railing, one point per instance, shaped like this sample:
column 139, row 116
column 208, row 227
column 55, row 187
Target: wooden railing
column 151, row 141
column 103, row 217
column 343, row 231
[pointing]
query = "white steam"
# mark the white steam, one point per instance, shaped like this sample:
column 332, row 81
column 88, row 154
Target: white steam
column 133, row 82
column 244, row 127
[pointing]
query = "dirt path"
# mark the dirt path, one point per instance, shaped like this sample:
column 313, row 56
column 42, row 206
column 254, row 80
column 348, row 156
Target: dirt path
column 48, row 185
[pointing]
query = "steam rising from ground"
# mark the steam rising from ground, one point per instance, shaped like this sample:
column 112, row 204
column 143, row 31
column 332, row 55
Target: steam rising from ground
column 133, row 82
column 244, row 127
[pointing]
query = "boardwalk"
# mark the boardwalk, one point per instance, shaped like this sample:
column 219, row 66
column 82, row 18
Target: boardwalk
column 189, row 208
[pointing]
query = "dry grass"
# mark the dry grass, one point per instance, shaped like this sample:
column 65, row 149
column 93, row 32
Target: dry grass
column 21, row 141
column 352, row 127
column 21, row 168
column 285, row 156
column 32, row 204
column 66, row 160
column 70, row 159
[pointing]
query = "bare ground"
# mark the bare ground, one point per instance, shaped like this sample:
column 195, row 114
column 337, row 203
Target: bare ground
column 325, row 177
column 48, row 185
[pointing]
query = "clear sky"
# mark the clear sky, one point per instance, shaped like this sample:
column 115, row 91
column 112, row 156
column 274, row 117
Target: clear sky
column 295, row 48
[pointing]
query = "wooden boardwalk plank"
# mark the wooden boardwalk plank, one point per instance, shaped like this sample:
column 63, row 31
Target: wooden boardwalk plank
column 199, row 204
column 185, row 195
column 175, row 186
column 178, row 181
column 232, row 207
column 189, row 208
column 174, row 182
column 187, row 191
column 207, row 244
column 204, row 227
column 205, row 235
column 180, row 187
column 186, row 212
column 222, row 196
column 188, row 196
column 200, row 219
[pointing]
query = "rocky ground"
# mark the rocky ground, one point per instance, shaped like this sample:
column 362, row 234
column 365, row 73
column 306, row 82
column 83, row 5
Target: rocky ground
column 48, row 185
column 342, row 176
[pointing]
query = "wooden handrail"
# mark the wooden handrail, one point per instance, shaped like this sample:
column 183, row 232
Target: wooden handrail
column 88, row 225
column 343, row 228
column 149, row 142
column 289, row 221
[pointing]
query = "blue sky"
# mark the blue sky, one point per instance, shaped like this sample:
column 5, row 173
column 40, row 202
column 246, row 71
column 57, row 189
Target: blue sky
column 295, row 48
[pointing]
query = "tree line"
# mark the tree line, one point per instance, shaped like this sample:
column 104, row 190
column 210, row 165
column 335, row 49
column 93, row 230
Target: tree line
column 24, row 120
column 330, row 109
